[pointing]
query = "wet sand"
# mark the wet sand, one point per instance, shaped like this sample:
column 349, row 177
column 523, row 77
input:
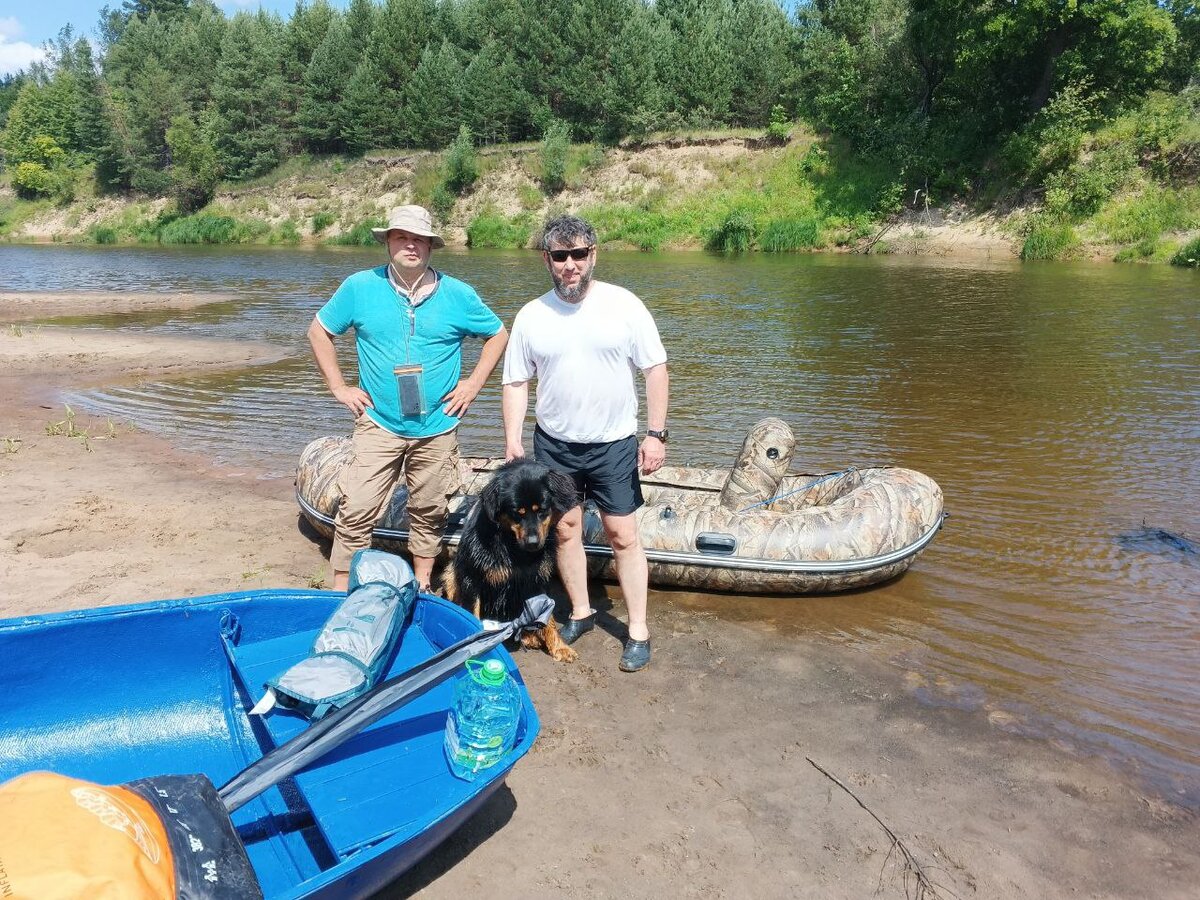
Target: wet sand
column 690, row 779
column 17, row 306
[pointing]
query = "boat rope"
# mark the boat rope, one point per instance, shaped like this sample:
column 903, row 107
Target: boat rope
column 800, row 490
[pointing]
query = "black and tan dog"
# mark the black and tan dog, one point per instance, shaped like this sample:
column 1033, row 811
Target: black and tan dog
column 506, row 552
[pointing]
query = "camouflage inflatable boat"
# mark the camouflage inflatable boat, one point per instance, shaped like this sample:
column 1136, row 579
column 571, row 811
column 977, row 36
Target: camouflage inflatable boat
column 754, row 529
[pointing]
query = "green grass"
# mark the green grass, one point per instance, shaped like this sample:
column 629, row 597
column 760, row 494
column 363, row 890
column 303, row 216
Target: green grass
column 1188, row 255
column 102, row 234
column 209, row 228
column 14, row 212
column 1049, row 240
column 582, row 159
column 360, row 235
column 286, row 232
column 645, row 229
column 322, row 220
column 735, row 234
column 1129, row 190
column 1146, row 215
column 783, row 235
column 427, row 175
column 803, row 196
column 490, row 229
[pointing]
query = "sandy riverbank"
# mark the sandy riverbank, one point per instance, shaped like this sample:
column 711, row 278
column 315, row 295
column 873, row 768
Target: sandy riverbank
column 18, row 306
column 690, row 779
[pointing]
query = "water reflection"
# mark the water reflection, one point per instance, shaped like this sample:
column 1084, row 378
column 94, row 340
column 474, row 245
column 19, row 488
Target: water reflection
column 1057, row 405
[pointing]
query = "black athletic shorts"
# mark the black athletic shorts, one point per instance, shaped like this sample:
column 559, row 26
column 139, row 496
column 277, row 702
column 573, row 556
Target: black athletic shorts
column 606, row 473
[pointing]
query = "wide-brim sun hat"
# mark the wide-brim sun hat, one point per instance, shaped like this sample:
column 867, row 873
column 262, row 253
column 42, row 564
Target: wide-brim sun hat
column 413, row 219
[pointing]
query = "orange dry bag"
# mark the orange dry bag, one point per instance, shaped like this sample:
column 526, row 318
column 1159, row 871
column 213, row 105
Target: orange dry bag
column 155, row 839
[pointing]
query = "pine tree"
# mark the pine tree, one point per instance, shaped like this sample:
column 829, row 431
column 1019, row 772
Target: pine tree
column 194, row 166
column 363, row 125
column 701, row 68
column 248, row 95
column 758, row 78
column 360, row 23
column 632, row 97
column 92, row 131
column 544, row 58
column 30, row 117
column 302, row 35
column 164, row 9
column 322, row 118
column 9, row 86
column 156, row 101
column 433, row 99
column 191, row 48
column 493, row 100
column 402, row 31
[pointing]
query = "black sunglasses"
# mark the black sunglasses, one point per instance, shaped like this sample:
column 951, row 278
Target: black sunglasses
column 579, row 254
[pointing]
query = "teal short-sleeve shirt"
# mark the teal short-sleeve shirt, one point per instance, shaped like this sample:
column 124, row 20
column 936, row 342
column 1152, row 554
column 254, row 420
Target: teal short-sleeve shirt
column 389, row 333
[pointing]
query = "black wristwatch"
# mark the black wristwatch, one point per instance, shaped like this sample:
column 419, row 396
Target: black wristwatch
column 661, row 435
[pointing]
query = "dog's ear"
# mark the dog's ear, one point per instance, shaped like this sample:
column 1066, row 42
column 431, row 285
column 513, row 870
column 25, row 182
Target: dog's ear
column 489, row 499
column 563, row 495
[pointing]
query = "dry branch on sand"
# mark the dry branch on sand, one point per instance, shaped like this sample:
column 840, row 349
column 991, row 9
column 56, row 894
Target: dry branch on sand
column 917, row 884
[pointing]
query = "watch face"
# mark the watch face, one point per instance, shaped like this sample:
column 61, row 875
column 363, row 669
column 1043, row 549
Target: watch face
column 661, row 435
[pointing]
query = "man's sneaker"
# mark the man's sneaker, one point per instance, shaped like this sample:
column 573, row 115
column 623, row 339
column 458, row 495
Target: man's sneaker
column 636, row 655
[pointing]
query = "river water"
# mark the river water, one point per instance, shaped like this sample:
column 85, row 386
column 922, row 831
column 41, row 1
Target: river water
column 1058, row 405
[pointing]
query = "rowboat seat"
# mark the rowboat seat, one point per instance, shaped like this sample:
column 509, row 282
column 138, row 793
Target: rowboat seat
column 355, row 791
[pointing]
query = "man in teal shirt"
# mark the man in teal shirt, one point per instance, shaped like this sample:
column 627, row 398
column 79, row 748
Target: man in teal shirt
column 409, row 323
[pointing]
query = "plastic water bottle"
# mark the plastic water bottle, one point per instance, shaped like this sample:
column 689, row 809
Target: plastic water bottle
column 482, row 723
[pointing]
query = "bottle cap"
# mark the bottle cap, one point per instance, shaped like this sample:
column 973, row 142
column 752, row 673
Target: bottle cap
column 490, row 672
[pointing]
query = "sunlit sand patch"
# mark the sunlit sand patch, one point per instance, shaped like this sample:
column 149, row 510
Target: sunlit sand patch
column 24, row 306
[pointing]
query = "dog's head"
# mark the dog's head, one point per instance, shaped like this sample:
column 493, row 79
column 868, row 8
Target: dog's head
column 527, row 498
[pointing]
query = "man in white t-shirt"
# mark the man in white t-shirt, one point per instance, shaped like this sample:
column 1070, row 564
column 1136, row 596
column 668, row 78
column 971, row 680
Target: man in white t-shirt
column 582, row 342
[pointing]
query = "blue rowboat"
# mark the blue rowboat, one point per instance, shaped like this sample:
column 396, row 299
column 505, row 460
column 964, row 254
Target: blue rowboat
column 115, row 694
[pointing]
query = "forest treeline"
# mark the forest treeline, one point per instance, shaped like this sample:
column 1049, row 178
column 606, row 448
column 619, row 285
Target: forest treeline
column 173, row 96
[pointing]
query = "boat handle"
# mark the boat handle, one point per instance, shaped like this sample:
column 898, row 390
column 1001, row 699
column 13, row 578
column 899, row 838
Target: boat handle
column 716, row 542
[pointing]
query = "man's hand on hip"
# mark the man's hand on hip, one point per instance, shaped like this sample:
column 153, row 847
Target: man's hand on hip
column 353, row 398
column 459, row 400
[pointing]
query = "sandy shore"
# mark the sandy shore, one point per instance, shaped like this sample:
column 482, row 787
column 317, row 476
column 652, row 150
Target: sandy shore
column 690, row 779
column 18, row 306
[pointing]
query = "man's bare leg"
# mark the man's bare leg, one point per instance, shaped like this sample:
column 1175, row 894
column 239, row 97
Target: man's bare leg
column 572, row 562
column 341, row 581
column 632, row 570
column 423, row 569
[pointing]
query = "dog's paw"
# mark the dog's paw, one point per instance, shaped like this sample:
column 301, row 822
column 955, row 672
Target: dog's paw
column 565, row 654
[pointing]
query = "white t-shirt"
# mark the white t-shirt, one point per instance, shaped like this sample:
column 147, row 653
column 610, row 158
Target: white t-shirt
column 583, row 356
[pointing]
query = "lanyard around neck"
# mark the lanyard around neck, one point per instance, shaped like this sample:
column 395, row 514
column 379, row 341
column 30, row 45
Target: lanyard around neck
column 409, row 294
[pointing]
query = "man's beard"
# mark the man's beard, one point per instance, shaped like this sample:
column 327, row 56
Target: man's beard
column 575, row 292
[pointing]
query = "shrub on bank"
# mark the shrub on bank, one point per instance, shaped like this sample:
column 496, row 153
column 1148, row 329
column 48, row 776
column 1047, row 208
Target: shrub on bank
column 360, row 235
column 735, row 234
column 1049, row 240
column 783, row 235
column 462, row 163
column 284, row 233
column 493, row 231
column 203, row 228
column 1188, row 255
column 1147, row 215
column 556, row 144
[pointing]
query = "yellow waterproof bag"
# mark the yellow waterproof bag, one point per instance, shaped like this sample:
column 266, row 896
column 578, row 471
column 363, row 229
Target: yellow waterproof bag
column 164, row 838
